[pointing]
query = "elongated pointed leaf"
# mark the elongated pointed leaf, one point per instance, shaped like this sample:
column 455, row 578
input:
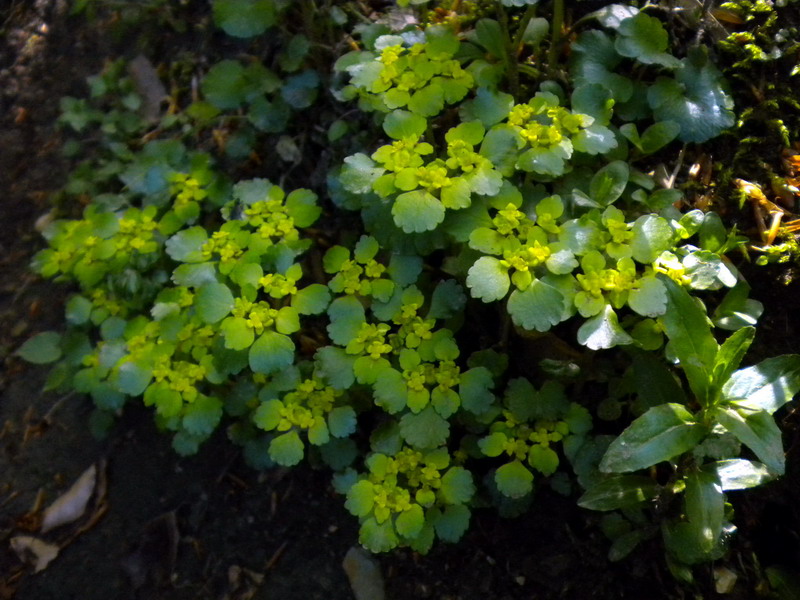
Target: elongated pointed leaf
column 705, row 508
column 757, row 431
column 661, row 433
column 738, row 473
column 766, row 386
column 687, row 328
column 619, row 491
column 731, row 353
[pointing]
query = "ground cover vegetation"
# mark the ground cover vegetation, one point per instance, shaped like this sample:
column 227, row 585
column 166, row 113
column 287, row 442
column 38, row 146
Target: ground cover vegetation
column 492, row 178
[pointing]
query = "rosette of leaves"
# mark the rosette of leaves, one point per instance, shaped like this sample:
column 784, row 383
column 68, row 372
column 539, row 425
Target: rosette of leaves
column 693, row 99
column 422, row 78
column 524, row 433
column 409, row 498
column 361, row 274
column 312, row 408
column 421, row 192
column 725, row 408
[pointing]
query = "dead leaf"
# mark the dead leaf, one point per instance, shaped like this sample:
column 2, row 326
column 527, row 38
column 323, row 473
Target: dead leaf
column 34, row 551
column 71, row 505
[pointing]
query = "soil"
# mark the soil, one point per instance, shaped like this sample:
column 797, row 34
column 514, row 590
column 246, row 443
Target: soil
column 210, row 527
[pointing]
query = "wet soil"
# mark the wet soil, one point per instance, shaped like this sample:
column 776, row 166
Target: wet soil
column 208, row 526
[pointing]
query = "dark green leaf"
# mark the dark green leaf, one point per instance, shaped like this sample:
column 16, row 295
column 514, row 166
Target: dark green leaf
column 619, row 491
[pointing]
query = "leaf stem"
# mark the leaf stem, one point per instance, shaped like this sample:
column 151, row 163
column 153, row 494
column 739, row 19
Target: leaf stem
column 555, row 35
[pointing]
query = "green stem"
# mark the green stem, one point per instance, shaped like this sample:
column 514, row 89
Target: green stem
column 511, row 57
column 523, row 25
column 555, row 36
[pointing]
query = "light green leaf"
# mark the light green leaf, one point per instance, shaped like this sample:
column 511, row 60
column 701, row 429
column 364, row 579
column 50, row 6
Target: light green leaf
column 644, row 38
column 690, row 336
column 287, row 449
column 360, row 498
column 312, row 299
column 738, row 473
column 595, row 139
column 133, row 377
column 287, row 321
column 43, row 348
column 185, row 245
column 730, row 355
column 378, row 537
column 539, row 307
column 514, row 480
column 603, row 331
column 237, row 333
column 705, row 508
column 359, row 173
column 619, row 491
column 766, row 386
column 268, row 414
column 609, row 182
column 213, row 302
column 409, row 522
column 488, row 279
column 244, row 18
column 271, row 352
column 493, row 444
column 401, row 124
column 649, row 298
column 427, row 101
column 543, row 459
column 457, row 486
column 758, row 431
column 661, row 433
column 417, row 211
column 652, row 235
column 424, row 430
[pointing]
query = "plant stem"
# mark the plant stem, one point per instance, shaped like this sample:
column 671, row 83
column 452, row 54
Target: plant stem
column 511, row 55
column 523, row 25
column 555, row 35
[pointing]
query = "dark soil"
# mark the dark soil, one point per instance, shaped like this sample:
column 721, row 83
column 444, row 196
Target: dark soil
column 209, row 527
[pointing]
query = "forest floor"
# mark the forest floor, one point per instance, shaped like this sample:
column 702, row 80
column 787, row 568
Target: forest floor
column 210, row 527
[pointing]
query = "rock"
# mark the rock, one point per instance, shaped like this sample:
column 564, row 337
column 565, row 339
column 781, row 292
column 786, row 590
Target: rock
column 365, row 575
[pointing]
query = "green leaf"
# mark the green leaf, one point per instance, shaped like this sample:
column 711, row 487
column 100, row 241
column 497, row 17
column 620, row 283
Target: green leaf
column 409, row 522
column 603, row 331
column 237, row 333
column 514, row 480
column 490, row 35
column 244, row 18
column 359, row 173
column 690, row 337
column 346, row 315
column 488, row 279
column 758, row 431
column 300, row 91
column 594, row 100
column 730, row 355
column 475, row 390
column 401, row 124
column 489, row 107
column 452, row 522
column 493, row 444
column 655, row 383
column 417, row 211
column 335, row 366
column 427, row 101
column 644, row 38
column 609, row 182
column 43, row 348
column 202, row 416
column 271, row 352
column 595, row 139
column 78, row 310
column 539, row 307
column 697, row 99
column 658, row 135
column 268, row 414
column 224, row 85
column 652, row 235
column 213, row 302
column 766, row 386
column 287, row 321
column 312, row 299
column 424, row 430
column 661, row 433
column 649, row 297
column 705, row 508
column 544, row 161
column 185, row 246
column 500, row 146
column 594, row 60
column 457, row 486
column 543, row 459
column 738, row 473
column 360, row 498
column 378, row 537
column 133, row 377
column 619, row 491
column 287, row 449
column 342, row 421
